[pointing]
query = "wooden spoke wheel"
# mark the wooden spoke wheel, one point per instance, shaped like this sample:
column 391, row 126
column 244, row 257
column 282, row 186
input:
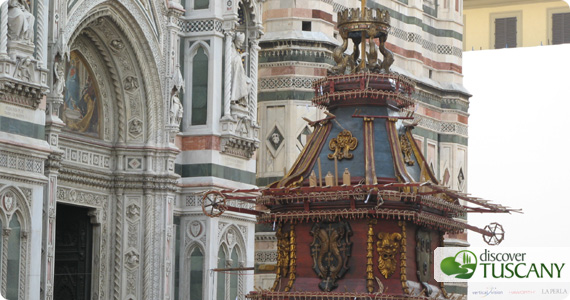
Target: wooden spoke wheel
column 498, row 234
column 214, row 204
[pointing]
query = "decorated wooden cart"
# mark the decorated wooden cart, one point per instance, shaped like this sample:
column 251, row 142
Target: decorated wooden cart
column 360, row 212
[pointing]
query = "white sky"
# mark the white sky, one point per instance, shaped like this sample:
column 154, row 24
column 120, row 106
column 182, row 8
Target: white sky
column 519, row 141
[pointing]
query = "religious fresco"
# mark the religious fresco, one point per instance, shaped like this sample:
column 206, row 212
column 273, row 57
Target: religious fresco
column 81, row 101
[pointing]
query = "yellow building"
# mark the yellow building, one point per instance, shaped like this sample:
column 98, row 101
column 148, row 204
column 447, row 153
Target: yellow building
column 495, row 24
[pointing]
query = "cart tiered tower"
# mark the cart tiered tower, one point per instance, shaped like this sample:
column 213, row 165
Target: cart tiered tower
column 360, row 212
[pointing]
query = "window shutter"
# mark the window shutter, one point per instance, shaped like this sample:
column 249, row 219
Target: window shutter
column 505, row 33
column 511, row 32
column 560, row 28
column 500, row 33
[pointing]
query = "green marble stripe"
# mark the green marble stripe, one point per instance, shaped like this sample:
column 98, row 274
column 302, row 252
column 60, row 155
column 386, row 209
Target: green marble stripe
column 461, row 106
column 458, row 105
column 418, row 22
column 214, row 170
column 442, row 138
column 295, row 57
column 285, row 95
column 430, row 11
column 23, row 128
column 451, row 138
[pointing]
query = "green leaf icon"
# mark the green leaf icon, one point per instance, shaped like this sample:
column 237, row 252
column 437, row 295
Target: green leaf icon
column 463, row 264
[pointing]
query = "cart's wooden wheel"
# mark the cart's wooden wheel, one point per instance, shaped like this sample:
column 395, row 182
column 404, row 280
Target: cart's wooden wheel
column 214, row 204
column 498, row 234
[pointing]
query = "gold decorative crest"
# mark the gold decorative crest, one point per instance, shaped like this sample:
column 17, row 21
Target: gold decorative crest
column 330, row 250
column 342, row 144
column 388, row 247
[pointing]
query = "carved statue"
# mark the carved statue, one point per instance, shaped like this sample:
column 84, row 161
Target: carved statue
column 388, row 55
column 58, row 74
column 24, row 69
column 343, row 60
column 363, row 26
column 240, row 81
column 176, row 110
column 372, row 54
column 20, row 21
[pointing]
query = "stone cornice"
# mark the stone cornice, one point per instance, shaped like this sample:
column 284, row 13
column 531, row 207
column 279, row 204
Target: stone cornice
column 126, row 181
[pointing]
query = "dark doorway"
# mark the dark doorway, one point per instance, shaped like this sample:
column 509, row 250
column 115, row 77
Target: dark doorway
column 73, row 247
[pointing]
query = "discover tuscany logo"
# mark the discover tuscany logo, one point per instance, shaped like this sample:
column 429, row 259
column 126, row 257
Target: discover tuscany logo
column 457, row 264
column 462, row 265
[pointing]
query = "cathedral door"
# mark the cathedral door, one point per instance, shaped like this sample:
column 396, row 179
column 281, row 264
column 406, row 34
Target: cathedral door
column 73, row 247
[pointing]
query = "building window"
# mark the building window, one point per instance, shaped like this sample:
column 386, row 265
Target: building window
column 14, row 216
column 306, row 25
column 200, row 87
column 430, row 7
column 229, row 283
column 13, row 263
column 201, row 4
column 221, row 285
column 506, row 33
column 234, row 275
column 560, row 28
column 196, row 273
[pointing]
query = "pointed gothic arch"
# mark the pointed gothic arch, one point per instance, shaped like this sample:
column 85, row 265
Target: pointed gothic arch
column 20, row 207
column 15, row 217
column 198, row 96
column 233, row 242
column 194, row 254
column 127, row 171
column 120, row 36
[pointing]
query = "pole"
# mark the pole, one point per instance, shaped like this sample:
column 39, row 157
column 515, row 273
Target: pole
column 363, row 37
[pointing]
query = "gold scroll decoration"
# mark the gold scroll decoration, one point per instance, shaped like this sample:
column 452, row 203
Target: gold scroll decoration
column 406, row 147
column 403, row 264
column 292, row 258
column 370, row 256
column 342, row 144
column 388, row 246
column 330, row 251
column 282, row 256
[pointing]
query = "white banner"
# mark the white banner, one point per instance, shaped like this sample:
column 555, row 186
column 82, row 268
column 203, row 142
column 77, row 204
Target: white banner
column 497, row 264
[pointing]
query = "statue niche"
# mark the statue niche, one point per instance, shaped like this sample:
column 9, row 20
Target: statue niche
column 176, row 109
column 240, row 81
column 20, row 21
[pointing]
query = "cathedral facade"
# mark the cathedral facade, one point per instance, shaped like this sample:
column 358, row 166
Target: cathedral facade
column 116, row 117
column 96, row 108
